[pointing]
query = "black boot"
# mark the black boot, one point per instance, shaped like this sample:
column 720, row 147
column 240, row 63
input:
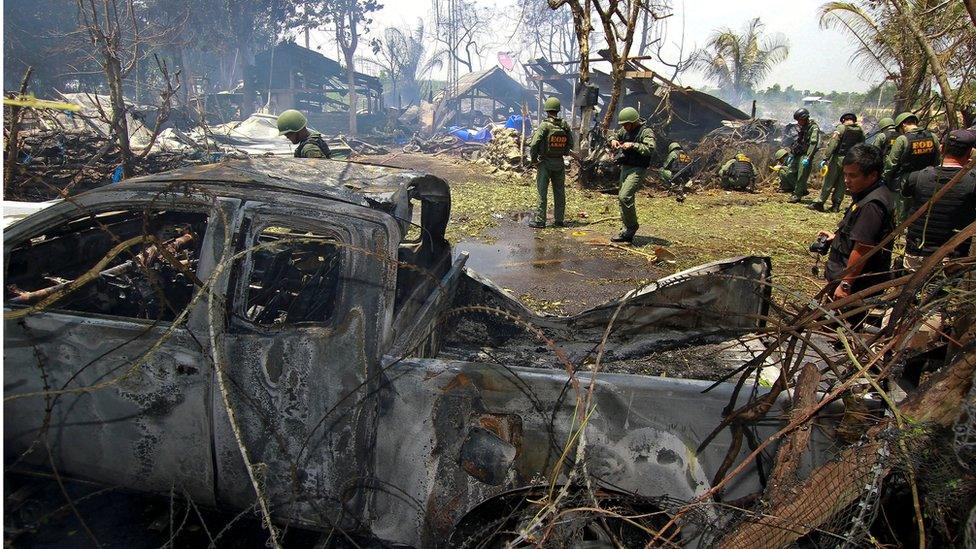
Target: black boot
column 817, row 206
column 537, row 224
column 625, row 235
column 835, row 208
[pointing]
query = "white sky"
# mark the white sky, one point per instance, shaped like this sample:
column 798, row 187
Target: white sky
column 819, row 59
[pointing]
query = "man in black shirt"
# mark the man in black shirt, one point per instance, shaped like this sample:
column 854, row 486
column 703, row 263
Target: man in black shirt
column 953, row 212
column 867, row 221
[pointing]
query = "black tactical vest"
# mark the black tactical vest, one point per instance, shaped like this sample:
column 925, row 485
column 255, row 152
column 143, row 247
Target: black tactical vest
column 631, row 157
column 889, row 140
column 741, row 174
column 852, row 136
column 802, row 142
column 955, row 210
column 920, row 152
column 314, row 139
column 557, row 141
column 877, row 267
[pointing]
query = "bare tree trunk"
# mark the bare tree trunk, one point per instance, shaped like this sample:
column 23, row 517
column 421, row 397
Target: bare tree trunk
column 618, row 58
column 783, row 476
column 971, row 8
column 353, row 96
column 10, row 158
column 938, row 69
column 120, row 126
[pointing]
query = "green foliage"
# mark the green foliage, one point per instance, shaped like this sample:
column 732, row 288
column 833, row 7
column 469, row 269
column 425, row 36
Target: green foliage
column 405, row 61
column 737, row 62
column 886, row 49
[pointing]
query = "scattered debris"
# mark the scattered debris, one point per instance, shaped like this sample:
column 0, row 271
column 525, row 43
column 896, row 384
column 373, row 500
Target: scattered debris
column 51, row 162
column 504, row 152
column 757, row 139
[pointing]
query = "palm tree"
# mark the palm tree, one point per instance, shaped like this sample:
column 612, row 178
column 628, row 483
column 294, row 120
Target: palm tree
column 738, row 62
column 403, row 56
column 885, row 46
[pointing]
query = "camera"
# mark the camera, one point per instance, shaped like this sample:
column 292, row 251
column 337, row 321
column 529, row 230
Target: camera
column 821, row 246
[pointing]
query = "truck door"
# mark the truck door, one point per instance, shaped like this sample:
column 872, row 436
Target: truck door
column 309, row 304
column 118, row 363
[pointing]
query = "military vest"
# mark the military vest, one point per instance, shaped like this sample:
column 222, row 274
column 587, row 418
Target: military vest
column 741, row 174
column 556, row 142
column 803, row 139
column 631, row 157
column 887, row 141
column 920, row 151
column 877, row 267
column 852, row 136
column 313, row 139
column 942, row 220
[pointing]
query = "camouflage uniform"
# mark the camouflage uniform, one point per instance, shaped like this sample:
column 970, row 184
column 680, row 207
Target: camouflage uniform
column 551, row 141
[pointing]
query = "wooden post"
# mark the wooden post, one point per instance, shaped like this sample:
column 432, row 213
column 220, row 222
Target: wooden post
column 538, row 118
column 586, row 117
column 753, row 109
column 525, row 114
column 572, row 113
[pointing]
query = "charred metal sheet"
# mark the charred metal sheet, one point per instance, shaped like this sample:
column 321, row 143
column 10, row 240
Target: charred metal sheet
column 341, row 180
column 641, row 438
column 720, row 300
column 143, row 433
column 486, row 457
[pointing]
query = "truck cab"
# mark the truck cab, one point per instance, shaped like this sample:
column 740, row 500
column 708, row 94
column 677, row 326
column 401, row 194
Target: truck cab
column 284, row 326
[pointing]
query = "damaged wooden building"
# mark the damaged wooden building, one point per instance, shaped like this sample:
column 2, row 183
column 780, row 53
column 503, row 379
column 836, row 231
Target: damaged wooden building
column 288, row 76
column 682, row 112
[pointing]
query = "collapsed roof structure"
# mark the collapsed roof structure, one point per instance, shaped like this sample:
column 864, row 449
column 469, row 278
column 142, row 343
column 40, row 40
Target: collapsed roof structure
column 288, row 76
column 477, row 98
column 684, row 113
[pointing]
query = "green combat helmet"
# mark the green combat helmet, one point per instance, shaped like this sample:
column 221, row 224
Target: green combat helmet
column 291, row 121
column 628, row 114
column 552, row 105
column 674, row 146
column 780, row 154
column 886, row 123
column 904, row 117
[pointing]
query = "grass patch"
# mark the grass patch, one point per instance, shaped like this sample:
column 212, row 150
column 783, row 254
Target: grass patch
column 707, row 226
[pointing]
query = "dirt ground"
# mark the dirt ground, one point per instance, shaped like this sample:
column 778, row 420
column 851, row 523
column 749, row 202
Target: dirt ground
column 566, row 270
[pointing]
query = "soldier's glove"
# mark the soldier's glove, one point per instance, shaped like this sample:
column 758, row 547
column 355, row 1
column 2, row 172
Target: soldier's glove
column 823, row 164
column 805, row 161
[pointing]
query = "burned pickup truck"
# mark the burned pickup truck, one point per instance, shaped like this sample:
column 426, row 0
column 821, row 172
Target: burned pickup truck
column 295, row 333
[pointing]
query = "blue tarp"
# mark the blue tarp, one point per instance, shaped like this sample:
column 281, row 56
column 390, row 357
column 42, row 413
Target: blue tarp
column 515, row 122
column 465, row 134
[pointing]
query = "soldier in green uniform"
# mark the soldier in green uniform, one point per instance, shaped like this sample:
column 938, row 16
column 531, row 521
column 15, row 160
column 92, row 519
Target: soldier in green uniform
column 551, row 141
column 676, row 161
column 782, row 159
column 847, row 134
column 884, row 137
column 914, row 149
column 635, row 144
column 294, row 126
column 738, row 173
column 803, row 149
